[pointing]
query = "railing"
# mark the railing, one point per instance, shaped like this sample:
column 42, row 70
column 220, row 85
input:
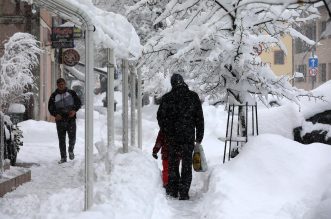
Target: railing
column 241, row 136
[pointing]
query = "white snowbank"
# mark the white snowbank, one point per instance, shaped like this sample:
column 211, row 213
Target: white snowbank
column 312, row 106
column 280, row 120
column 273, row 177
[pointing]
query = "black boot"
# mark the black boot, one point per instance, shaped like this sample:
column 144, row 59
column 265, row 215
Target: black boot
column 63, row 160
column 184, row 197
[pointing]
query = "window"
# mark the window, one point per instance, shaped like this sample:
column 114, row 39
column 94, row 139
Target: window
column 279, row 57
column 322, row 72
column 329, row 70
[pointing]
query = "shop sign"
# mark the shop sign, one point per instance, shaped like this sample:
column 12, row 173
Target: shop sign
column 62, row 37
column 70, row 57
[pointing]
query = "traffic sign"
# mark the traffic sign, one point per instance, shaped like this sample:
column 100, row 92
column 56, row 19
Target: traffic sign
column 313, row 71
column 313, row 62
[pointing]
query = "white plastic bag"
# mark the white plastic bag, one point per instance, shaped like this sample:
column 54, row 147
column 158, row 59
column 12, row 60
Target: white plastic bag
column 199, row 159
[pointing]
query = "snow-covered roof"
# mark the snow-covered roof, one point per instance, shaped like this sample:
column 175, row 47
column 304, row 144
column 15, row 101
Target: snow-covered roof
column 112, row 30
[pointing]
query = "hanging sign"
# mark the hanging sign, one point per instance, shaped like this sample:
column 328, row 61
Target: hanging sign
column 62, row 37
column 70, row 57
column 78, row 33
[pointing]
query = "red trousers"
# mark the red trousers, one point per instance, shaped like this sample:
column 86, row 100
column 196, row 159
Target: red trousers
column 165, row 172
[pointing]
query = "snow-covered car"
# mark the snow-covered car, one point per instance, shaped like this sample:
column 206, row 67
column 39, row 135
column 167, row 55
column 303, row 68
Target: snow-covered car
column 12, row 140
column 317, row 114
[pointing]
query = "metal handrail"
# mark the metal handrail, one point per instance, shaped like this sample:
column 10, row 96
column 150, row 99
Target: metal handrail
column 229, row 125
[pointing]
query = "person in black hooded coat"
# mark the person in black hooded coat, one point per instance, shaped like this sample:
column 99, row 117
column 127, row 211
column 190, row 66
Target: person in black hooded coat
column 180, row 117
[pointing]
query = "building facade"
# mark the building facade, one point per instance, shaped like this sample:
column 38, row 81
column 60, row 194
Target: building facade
column 280, row 62
column 302, row 52
column 17, row 16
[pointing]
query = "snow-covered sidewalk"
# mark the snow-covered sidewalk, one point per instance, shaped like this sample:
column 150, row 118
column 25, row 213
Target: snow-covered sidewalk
column 272, row 177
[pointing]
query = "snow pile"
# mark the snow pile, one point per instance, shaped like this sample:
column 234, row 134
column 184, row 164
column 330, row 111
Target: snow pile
column 311, row 106
column 273, row 177
column 280, row 120
column 133, row 188
column 112, row 30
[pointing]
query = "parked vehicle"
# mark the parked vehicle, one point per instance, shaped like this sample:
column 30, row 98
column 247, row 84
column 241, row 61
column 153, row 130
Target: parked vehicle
column 12, row 140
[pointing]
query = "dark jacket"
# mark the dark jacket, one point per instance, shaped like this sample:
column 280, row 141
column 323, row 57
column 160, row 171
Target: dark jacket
column 161, row 143
column 63, row 102
column 180, row 116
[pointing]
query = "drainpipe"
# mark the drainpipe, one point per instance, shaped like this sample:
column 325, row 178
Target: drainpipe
column 133, row 105
column 125, row 107
column 66, row 8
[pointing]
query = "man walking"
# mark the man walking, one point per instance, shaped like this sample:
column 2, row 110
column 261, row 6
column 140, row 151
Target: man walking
column 63, row 105
column 180, row 117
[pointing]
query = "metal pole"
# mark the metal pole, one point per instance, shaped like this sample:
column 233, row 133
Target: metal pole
column 133, row 106
column 257, row 122
column 110, row 104
column 313, row 78
column 227, row 131
column 125, row 110
column 139, row 103
column 2, row 144
column 110, row 96
column 246, row 128
column 89, row 81
column 231, row 130
column 253, row 120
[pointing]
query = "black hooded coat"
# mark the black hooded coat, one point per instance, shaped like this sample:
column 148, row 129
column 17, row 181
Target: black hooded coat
column 180, row 115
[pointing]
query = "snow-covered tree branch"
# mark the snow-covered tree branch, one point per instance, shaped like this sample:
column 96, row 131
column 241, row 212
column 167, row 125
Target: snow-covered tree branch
column 16, row 65
column 214, row 44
